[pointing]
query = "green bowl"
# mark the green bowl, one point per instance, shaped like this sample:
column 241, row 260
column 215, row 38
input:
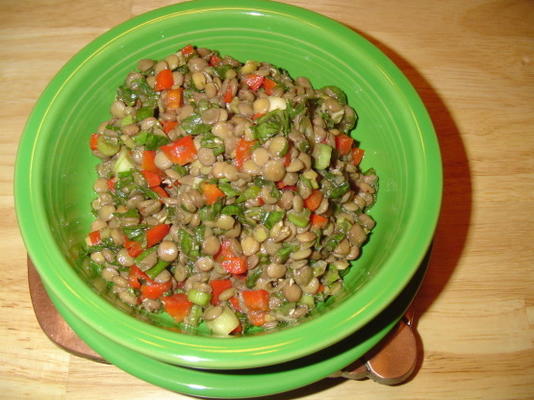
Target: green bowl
column 55, row 170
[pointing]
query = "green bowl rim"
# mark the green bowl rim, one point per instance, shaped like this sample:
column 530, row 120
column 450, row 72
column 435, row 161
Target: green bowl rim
column 212, row 352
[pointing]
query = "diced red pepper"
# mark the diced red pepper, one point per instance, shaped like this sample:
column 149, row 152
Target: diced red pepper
column 136, row 277
column 152, row 178
column 177, row 306
column 160, row 191
column 313, row 201
column 243, row 151
column 154, row 290
column 211, row 192
column 94, row 237
column 168, row 125
column 156, row 234
column 257, row 318
column 318, row 221
column 148, row 163
column 268, row 86
column 228, row 95
column 181, row 151
column 225, row 250
column 357, row 155
column 256, row 300
column 215, row 60
column 282, row 186
column 253, row 81
column 174, row 99
column 235, row 303
column 93, row 141
column 188, row 50
column 257, row 115
column 134, row 248
column 343, row 144
column 237, row 330
column 217, row 287
column 164, row 80
column 111, row 183
column 287, row 159
column 235, row 265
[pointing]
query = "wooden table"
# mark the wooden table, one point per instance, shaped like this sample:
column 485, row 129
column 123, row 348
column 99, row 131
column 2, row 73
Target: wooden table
column 472, row 62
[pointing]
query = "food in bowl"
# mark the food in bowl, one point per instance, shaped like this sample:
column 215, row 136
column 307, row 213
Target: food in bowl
column 229, row 194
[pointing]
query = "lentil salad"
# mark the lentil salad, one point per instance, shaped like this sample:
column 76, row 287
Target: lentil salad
column 229, row 195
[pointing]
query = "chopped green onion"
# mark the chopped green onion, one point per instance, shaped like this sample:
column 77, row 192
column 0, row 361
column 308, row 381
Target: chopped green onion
column 250, row 193
column 272, row 217
column 322, row 153
column 301, row 219
column 157, row 269
column 198, row 297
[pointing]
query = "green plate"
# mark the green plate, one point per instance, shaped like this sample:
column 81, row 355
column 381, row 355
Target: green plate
column 254, row 382
column 55, row 170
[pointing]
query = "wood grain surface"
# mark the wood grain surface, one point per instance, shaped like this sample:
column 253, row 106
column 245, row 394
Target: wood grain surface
column 472, row 63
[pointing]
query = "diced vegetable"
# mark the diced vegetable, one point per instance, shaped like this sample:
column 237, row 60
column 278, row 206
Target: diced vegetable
column 152, row 178
column 188, row 50
column 268, row 86
column 174, row 99
column 156, row 234
column 198, row 297
column 235, row 265
column 313, row 202
column 93, row 141
column 217, row 287
column 164, row 80
column 357, row 155
column 344, row 144
column 94, row 237
column 107, row 146
column 177, row 305
column 253, row 81
column 243, row 151
column 224, row 324
column 136, row 277
column 154, row 290
column 256, row 300
column 257, row 318
column 211, row 192
column 157, row 268
column 318, row 221
column 322, row 154
column 168, row 125
column 123, row 162
column 301, row 219
column 181, row 151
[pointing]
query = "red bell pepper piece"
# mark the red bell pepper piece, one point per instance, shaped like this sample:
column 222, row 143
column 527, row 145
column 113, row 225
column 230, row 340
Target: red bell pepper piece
column 215, row 60
column 318, row 221
column 268, row 85
column 228, row 95
column 253, row 81
column 168, row 125
column 211, row 192
column 156, row 234
column 257, row 318
column 177, row 306
column 148, row 163
column 313, row 201
column 94, row 237
column 256, row 300
column 160, row 191
column 357, row 155
column 136, row 277
column 181, row 151
column 188, row 50
column 154, row 290
column 152, row 178
column 93, row 141
column 174, row 99
column 243, row 151
column 235, row 265
column 164, row 80
column 217, row 287
column 343, row 144
column 134, row 248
